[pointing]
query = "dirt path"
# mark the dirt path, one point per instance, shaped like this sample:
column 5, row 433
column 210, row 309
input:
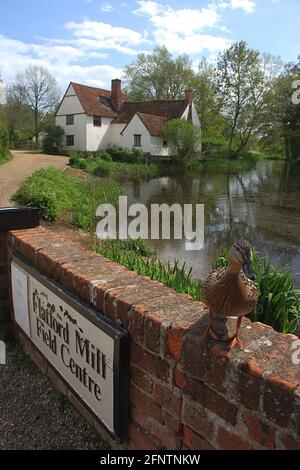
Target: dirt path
column 14, row 172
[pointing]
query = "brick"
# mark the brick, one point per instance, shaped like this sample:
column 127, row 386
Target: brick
column 153, row 326
column 174, row 337
column 141, row 379
column 179, row 378
column 193, row 441
column 148, row 362
column 194, row 351
column 197, row 420
column 140, row 418
column 136, row 320
column 146, row 404
column 259, row 430
column 229, row 441
column 216, row 366
column 289, row 442
column 173, row 423
column 249, row 383
column 208, row 398
column 278, row 401
column 168, row 438
column 141, row 439
column 168, row 398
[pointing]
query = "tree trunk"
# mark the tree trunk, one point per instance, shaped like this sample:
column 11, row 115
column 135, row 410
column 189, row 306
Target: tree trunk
column 36, row 128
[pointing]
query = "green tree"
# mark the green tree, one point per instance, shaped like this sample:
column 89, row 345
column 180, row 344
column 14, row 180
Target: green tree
column 158, row 75
column 53, row 140
column 37, row 90
column 18, row 119
column 183, row 136
column 205, row 99
column 280, row 129
column 243, row 79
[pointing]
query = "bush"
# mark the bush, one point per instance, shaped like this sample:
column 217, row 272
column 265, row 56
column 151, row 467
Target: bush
column 4, row 152
column 56, row 193
column 50, row 190
column 53, row 140
column 183, row 136
column 102, row 168
column 119, row 154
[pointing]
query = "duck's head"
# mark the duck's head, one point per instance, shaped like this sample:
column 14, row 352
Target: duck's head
column 240, row 257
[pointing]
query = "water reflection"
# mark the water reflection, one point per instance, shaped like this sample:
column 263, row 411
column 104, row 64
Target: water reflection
column 261, row 205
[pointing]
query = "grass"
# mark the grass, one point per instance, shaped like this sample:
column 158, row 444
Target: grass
column 102, row 165
column 137, row 256
column 5, row 157
column 56, row 193
column 279, row 302
column 220, row 164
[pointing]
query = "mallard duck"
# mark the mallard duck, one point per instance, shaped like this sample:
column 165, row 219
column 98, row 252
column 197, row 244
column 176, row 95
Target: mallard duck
column 231, row 291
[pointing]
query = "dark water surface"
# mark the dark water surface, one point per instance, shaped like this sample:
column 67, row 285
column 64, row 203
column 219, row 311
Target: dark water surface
column 262, row 205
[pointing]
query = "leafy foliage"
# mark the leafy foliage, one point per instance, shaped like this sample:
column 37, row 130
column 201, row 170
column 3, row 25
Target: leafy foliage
column 158, row 75
column 184, row 136
column 111, row 163
column 4, row 153
column 57, row 193
column 53, row 140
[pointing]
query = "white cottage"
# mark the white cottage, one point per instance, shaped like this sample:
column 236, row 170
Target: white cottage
column 95, row 119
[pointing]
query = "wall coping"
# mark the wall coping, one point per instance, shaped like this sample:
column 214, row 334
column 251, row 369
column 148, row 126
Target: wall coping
column 166, row 330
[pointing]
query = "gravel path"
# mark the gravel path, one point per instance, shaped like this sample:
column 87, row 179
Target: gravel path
column 23, row 164
column 33, row 415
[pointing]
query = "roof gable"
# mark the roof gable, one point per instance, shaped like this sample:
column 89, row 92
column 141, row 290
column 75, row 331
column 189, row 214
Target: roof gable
column 94, row 101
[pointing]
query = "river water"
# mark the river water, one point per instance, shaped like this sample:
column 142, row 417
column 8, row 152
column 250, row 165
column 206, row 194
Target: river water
column 261, row 204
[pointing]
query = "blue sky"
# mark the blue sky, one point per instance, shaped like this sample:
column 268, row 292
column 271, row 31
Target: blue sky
column 90, row 41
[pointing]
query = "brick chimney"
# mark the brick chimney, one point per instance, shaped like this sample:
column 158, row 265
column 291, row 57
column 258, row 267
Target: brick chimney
column 116, row 94
column 189, row 96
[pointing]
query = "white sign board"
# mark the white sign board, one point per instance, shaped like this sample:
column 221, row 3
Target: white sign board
column 86, row 349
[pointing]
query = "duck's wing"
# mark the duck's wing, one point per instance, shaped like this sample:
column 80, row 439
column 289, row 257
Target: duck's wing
column 249, row 288
column 208, row 288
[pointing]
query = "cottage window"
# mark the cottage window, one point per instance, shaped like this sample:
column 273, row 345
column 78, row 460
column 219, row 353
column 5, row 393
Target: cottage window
column 165, row 143
column 70, row 140
column 70, row 119
column 137, row 140
column 97, row 121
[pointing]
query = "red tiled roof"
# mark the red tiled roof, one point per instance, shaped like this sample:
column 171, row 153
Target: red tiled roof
column 95, row 101
column 98, row 102
column 169, row 109
column 154, row 124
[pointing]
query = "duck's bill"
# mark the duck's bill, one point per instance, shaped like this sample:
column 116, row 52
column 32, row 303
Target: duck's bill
column 248, row 271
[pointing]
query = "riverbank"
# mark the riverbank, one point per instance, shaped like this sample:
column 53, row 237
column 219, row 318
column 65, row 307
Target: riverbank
column 67, row 197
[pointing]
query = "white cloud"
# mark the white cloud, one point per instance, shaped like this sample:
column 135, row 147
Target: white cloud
column 149, row 8
column 183, row 30
column 106, row 7
column 105, row 36
column 63, row 61
column 249, row 6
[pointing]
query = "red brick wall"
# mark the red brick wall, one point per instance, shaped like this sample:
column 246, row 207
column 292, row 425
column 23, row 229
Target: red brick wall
column 184, row 392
